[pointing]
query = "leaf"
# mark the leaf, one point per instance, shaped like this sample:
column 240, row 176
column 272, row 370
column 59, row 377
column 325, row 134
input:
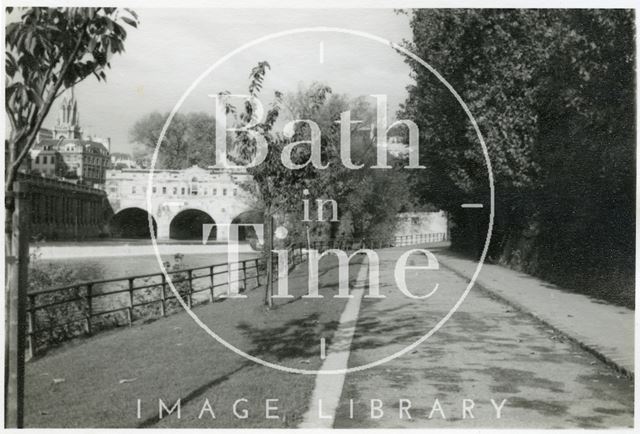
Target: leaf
column 127, row 380
column 130, row 21
column 35, row 96
column 132, row 13
column 10, row 64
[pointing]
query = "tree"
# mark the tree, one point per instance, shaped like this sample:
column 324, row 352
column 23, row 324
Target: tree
column 47, row 51
column 279, row 190
column 187, row 142
column 360, row 193
column 553, row 93
column 276, row 188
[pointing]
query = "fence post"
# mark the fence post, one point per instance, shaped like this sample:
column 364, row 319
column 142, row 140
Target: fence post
column 257, row 273
column 211, row 287
column 244, row 274
column 31, row 326
column 130, row 309
column 190, row 274
column 89, row 307
column 163, row 296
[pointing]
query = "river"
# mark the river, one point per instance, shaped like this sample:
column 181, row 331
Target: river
column 98, row 268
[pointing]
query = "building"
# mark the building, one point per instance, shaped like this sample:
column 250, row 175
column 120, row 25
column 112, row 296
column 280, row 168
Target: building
column 64, row 153
column 61, row 210
column 180, row 201
column 46, row 160
column 121, row 160
column 44, row 133
column 105, row 141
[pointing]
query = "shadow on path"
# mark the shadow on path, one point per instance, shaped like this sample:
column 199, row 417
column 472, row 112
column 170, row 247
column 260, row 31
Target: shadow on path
column 194, row 394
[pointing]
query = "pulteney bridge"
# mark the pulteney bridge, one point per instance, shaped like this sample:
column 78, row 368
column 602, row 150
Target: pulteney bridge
column 181, row 202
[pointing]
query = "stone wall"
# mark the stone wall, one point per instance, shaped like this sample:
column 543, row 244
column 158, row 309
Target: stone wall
column 413, row 223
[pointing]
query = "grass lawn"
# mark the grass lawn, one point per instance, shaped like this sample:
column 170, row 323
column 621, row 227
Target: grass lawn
column 97, row 382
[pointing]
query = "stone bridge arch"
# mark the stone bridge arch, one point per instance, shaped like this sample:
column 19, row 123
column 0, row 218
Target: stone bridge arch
column 248, row 216
column 131, row 222
column 218, row 194
column 188, row 223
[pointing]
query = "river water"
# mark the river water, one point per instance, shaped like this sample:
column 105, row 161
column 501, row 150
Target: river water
column 98, row 268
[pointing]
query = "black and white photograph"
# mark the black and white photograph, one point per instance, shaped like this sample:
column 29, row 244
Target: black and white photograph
column 319, row 215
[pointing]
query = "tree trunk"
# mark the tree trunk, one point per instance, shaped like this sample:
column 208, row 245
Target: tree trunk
column 268, row 245
column 16, row 269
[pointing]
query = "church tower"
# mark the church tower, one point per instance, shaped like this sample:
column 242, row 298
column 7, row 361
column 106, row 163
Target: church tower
column 68, row 126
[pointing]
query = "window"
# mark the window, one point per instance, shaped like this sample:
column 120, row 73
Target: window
column 153, row 189
column 164, row 190
column 415, row 220
column 133, row 189
column 224, row 191
column 182, row 191
column 235, row 191
column 205, row 191
column 214, row 191
column 37, row 159
column 175, row 190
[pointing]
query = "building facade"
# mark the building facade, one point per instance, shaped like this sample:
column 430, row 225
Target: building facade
column 66, row 154
column 180, row 200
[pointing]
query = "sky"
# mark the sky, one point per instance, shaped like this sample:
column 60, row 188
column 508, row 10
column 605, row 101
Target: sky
column 171, row 48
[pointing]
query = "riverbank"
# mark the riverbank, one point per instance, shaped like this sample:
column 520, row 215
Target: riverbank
column 116, row 379
column 49, row 251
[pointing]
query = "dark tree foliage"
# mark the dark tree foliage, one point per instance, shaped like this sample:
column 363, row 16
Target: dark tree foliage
column 553, row 93
column 187, row 141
